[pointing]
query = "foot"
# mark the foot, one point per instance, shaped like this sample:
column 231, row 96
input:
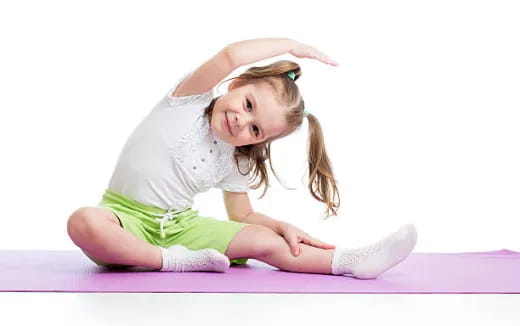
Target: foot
column 371, row 261
column 178, row 258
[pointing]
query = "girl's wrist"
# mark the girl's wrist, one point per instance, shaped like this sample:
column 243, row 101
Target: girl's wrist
column 278, row 227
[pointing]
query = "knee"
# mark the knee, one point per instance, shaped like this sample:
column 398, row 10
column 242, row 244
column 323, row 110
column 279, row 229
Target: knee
column 82, row 223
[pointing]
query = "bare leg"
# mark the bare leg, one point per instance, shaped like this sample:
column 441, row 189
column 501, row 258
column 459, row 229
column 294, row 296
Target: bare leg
column 259, row 242
column 310, row 259
column 97, row 231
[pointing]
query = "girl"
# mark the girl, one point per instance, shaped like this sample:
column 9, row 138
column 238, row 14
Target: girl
column 192, row 141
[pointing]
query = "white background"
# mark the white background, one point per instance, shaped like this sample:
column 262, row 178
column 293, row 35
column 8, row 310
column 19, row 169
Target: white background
column 420, row 118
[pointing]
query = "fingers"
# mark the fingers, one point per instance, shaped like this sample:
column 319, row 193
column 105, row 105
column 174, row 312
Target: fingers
column 294, row 238
column 292, row 241
column 295, row 249
column 317, row 243
column 332, row 62
column 307, row 51
column 328, row 60
column 324, row 58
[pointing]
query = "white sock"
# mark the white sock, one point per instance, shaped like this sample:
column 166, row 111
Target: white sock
column 178, row 258
column 373, row 260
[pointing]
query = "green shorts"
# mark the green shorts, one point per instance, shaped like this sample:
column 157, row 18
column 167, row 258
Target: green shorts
column 187, row 228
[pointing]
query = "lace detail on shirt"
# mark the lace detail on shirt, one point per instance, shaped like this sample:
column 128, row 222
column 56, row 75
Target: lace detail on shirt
column 222, row 168
column 191, row 142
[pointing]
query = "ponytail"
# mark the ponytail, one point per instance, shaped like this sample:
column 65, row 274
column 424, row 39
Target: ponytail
column 322, row 184
column 282, row 76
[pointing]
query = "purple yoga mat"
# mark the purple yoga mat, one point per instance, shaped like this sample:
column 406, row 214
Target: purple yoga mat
column 71, row 271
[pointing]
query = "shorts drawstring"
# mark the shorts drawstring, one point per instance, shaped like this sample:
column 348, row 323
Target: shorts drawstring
column 170, row 215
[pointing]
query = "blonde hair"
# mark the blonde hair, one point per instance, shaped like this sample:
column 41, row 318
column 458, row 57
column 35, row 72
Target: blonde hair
column 322, row 184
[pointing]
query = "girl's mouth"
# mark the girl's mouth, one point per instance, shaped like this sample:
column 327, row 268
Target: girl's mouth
column 228, row 127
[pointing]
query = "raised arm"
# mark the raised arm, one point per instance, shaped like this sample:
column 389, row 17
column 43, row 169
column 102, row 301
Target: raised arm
column 234, row 55
column 207, row 76
column 237, row 54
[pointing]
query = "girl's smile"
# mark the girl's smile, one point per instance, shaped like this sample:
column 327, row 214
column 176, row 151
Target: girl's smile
column 227, row 125
column 248, row 115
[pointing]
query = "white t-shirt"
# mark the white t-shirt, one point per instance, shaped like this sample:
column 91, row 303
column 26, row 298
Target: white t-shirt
column 172, row 155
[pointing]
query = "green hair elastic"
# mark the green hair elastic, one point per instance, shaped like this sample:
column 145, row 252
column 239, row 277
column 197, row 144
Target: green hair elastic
column 292, row 75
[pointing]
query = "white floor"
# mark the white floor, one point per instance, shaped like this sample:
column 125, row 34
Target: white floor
column 25, row 308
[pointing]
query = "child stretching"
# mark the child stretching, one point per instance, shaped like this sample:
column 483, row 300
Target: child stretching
column 192, row 141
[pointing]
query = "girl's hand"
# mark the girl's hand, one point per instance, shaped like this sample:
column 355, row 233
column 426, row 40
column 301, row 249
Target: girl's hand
column 293, row 236
column 301, row 50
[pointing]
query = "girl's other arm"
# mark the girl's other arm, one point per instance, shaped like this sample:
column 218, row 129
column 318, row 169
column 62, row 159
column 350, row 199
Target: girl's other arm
column 238, row 207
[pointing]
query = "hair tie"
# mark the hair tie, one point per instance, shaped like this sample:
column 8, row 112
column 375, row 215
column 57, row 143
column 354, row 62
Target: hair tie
column 292, row 75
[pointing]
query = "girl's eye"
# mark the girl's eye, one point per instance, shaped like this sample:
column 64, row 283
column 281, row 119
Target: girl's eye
column 255, row 128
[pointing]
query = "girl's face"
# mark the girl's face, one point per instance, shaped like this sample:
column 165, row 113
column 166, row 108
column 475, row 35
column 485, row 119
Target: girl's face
column 248, row 115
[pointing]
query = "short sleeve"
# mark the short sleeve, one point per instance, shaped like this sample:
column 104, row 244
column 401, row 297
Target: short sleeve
column 195, row 99
column 235, row 181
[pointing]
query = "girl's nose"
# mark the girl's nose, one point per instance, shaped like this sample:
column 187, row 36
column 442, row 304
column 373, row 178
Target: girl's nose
column 235, row 121
column 238, row 121
column 241, row 120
